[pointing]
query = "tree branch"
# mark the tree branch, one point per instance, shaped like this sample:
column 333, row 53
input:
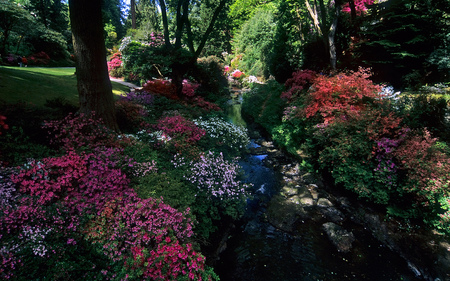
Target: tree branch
column 210, row 27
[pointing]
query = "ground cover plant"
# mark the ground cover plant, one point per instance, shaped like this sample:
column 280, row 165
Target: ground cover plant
column 368, row 139
column 37, row 84
column 95, row 204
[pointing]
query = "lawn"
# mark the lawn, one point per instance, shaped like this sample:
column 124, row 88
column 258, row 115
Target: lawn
column 38, row 84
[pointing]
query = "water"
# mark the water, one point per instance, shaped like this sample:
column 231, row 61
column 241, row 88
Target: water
column 257, row 251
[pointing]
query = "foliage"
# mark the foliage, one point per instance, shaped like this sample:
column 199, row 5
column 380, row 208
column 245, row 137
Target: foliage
column 218, row 190
column 223, row 136
column 253, row 41
column 213, row 83
column 341, row 95
column 115, row 67
column 130, row 115
column 358, row 135
column 300, row 81
column 179, row 134
column 399, row 38
column 109, row 226
column 264, row 106
column 80, row 132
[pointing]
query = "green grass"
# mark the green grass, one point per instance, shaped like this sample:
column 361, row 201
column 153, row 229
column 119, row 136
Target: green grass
column 38, row 84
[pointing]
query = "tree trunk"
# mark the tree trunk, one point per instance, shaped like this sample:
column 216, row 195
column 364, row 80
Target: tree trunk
column 94, row 86
column 133, row 13
column 331, row 38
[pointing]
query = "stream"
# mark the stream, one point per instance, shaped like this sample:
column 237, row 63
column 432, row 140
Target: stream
column 283, row 236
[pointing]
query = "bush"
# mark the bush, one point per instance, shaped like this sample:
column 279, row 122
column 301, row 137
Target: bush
column 209, row 74
column 264, row 106
column 223, row 136
column 115, row 65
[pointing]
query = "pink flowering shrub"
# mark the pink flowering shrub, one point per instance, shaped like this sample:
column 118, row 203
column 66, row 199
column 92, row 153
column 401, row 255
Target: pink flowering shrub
column 184, row 134
column 360, row 7
column 80, row 132
column 85, row 199
column 200, row 102
column 40, row 58
column 189, row 88
column 115, row 65
column 184, row 261
column 237, row 74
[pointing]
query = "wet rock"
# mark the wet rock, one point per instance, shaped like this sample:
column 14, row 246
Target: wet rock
column 258, row 150
column 324, row 202
column 332, row 214
column 284, row 212
column 340, row 237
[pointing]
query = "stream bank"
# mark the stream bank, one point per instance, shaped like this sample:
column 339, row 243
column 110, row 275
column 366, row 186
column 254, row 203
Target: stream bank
column 299, row 228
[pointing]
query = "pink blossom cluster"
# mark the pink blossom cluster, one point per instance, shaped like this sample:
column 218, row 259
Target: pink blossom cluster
column 237, row 74
column 80, row 132
column 360, row 6
column 183, row 261
column 189, row 88
column 156, row 40
column 57, row 194
column 128, row 222
column 206, row 105
column 3, row 125
column 180, row 128
column 115, row 62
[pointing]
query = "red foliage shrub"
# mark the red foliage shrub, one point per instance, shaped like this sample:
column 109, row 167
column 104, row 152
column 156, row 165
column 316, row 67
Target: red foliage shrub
column 341, row 95
column 427, row 168
column 39, row 58
column 299, row 81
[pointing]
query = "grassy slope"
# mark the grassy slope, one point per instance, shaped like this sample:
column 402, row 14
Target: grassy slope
column 36, row 84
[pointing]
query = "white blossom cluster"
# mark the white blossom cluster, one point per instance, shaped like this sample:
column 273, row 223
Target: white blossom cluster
column 231, row 135
column 35, row 236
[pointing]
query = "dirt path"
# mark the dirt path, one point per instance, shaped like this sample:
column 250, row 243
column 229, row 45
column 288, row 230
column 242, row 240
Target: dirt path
column 128, row 84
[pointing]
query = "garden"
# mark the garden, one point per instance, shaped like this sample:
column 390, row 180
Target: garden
column 150, row 198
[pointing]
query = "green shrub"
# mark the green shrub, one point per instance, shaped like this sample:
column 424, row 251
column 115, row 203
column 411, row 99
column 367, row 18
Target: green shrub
column 264, row 106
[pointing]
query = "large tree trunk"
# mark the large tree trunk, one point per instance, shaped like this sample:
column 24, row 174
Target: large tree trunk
column 94, row 86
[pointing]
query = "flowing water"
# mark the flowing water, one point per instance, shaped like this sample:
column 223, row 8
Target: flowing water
column 257, row 251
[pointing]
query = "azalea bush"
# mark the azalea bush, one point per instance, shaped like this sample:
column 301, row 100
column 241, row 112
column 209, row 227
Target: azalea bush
column 182, row 134
column 115, row 65
column 76, row 216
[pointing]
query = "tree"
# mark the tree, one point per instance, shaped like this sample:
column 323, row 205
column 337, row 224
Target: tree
column 12, row 18
column 94, row 86
column 325, row 23
column 400, row 35
column 183, row 60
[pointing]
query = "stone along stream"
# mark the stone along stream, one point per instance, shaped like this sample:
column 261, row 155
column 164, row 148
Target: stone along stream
column 294, row 230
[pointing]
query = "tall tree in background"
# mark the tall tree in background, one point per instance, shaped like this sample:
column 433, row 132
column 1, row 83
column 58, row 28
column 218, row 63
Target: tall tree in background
column 94, row 86
column 325, row 19
column 182, row 61
column 400, row 35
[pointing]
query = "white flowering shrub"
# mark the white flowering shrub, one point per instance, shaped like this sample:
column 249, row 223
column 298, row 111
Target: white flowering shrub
column 224, row 135
column 213, row 175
